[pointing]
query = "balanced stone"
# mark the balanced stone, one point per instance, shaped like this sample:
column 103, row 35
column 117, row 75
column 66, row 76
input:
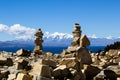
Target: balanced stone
column 38, row 42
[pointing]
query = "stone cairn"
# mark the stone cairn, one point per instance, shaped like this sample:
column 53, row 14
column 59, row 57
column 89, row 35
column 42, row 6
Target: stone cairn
column 38, row 42
column 78, row 40
column 76, row 35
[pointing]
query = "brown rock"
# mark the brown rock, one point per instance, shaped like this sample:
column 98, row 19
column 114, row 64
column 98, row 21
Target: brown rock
column 3, row 61
column 37, row 50
column 112, row 53
column 22, row 76
column 23, row 52
column 21, row 64
column 11, row 77
column 60, row 72
column 6, row 61
column 71, row 63
column 41, row 70
column 91, row 71
column 4, row 75
column 83, row 55
column 49, row 62
column 106, row 75
column 115, row 68
column 84, row 41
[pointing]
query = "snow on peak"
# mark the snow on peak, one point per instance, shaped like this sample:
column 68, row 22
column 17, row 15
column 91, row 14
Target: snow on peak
column 57, row 35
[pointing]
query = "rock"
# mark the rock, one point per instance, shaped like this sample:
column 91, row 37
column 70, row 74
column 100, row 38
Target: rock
column 91, row 71
column 48, row 54
column 49, row 62
column 22, row 76
column 115, row 68
column 9, row 62
column 41, row 70
column 4, row 75
column 83, row 55
column 76, row 75
column 71, row 63
column 23, row 52
column 84, row 41
column 35, row 77
column 3, row 61
column 112, row 53
column 118, row 78
column 106, row 75
column 60, row 72
column 37, row 50
column 21, row 64
column 11, row 77
column 6, row 61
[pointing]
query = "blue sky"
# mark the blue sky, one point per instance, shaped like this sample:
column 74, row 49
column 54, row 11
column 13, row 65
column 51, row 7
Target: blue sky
column 98, row 17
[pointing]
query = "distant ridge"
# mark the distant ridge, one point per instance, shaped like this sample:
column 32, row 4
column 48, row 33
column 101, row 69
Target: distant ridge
column 57, row 40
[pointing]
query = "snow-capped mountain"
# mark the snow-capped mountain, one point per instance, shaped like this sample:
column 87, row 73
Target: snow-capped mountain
column 57, row 35
column 57, row 39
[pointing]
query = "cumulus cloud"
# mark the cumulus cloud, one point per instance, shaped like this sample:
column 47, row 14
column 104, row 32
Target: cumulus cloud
column 19, row 31
column 3, row 27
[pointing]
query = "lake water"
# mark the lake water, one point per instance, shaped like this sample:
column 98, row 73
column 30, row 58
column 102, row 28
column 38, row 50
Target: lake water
column 50, row 49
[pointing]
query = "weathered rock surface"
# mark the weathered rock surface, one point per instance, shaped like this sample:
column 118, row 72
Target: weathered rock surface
column 84, row 41
column 23, row 52
column 41, row 70
column 22, row 76
column 90, row 71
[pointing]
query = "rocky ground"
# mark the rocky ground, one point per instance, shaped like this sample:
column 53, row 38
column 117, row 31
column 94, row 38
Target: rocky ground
column 76, row 64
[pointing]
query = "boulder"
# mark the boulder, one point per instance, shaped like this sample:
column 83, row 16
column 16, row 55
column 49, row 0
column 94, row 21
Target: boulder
column 21, row 64
column 23, row 52
column 115, row 68
column 9, row 62
column 71, row 63
column 84, row 41
column 4, row 75
column 41, row 70
column 3, row 61
column 11, row 77
column 60, row 72
column 22, row 76
column 90, row 71
column 76, row 75
column 106, row 75
column 83, row 55
column 6, row 61
column 49, row 62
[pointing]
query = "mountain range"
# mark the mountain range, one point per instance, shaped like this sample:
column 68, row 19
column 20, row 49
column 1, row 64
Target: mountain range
column 58, row 40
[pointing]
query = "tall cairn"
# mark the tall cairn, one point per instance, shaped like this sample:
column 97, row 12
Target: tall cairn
column 76, row 35
column 38, row 41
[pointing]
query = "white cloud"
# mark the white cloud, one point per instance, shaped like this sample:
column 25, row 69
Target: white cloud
column 3, row 27
column 109, row 37
column 19, row 31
